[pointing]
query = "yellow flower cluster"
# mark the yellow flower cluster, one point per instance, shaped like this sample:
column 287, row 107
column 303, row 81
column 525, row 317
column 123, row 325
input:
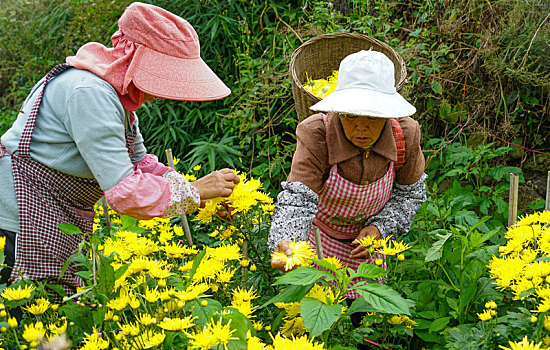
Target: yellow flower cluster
column 322, row 87
column 489, row 312
column 246, row 195
column 523, row 267
column 384, row 246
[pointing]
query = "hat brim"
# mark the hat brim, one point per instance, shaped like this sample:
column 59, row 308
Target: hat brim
column 174, row 78
column 365, row 102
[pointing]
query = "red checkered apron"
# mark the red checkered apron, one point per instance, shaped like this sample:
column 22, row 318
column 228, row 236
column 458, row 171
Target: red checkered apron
column 47, row 197
column 344, row 207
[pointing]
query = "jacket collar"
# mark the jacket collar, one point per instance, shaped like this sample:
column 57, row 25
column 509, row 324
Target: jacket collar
column 341, row 149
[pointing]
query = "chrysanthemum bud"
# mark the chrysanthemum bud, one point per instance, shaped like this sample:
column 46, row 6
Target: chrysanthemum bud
column 534, row 319
column 204, row 303
column 400, row 257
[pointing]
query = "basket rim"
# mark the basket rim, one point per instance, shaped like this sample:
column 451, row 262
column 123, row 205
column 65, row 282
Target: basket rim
column 296, row 52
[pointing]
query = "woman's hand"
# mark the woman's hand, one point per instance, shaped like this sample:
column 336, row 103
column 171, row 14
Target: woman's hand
column 283, row 246
column 360, row 252
column 218, row 183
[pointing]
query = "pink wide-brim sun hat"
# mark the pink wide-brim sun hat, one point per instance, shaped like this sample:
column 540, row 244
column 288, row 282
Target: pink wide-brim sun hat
column 167, row 62
column 176, row 78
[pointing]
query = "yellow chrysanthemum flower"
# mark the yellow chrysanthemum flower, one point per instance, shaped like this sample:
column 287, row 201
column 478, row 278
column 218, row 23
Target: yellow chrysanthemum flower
column 151, row 339
column 293, row 327
column 485, row 315
column 33, row 332
column 57, row 330
column 301, row 255
column 94, row 341
column 40, row 306
column 19, row 293
column 525, row 344
column 176, row 324
column 281, row 343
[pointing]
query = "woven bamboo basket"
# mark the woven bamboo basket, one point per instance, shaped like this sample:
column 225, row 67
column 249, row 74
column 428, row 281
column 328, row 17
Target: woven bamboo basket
column 320, row 56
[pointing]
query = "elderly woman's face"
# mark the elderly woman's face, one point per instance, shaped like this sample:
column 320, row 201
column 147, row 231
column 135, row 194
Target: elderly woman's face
column 362, row 131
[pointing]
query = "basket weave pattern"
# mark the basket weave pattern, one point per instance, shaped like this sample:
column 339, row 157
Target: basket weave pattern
column 317, row 58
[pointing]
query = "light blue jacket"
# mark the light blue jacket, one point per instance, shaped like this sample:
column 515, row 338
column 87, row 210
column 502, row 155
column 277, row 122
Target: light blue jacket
column 79, row 131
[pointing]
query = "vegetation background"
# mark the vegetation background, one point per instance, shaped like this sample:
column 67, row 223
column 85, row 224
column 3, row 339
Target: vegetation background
column 478, row 71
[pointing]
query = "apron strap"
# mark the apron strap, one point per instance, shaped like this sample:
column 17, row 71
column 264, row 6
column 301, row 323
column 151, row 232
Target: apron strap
column 24, row 147
column 399, row 143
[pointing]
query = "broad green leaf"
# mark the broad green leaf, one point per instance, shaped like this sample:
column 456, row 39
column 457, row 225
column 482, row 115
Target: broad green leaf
column 359, row 305
column 127, row 221
column 289, row 294
column 105, row 278
column 369, row 271
column 439, row 324
column 303, row 276
column 203, row 313
column 435, row 251
column 69, row 229
column 240, row 324
column 466, row 296
column 318, row 316
column 384, row 299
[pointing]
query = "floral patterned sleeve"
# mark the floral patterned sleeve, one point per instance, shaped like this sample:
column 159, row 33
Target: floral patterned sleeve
column 293, row 214
column 397, row 215
column 184, row 197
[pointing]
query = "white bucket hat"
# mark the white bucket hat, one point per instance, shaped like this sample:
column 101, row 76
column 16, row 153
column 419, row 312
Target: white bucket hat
column 366, row 86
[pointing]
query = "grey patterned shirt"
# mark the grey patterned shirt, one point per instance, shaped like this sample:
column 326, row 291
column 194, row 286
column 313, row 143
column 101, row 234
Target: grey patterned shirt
column 297, row 205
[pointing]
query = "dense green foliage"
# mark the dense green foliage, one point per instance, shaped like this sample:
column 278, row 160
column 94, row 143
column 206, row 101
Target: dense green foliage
column 474, row 66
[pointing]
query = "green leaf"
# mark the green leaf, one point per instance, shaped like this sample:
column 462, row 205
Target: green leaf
column 325, row 264
column 317, row 316
column 203, row 313
column 436, row 87
column 81, row 316
column 466, row 297
column 240, row 324
column 439, row 324
column 303, row 276
column 105, row 278
column 127, row 221
column 289, row 294
column 384, row 299
column 366, row 270
column 435, row 251
column 359, row 305
column 69, row 229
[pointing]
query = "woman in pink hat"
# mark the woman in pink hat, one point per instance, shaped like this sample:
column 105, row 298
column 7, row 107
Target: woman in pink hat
column 77, row 138
column 358, row 169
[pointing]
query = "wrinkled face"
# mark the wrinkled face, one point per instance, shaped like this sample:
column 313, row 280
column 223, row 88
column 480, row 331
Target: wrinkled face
column 362, row 131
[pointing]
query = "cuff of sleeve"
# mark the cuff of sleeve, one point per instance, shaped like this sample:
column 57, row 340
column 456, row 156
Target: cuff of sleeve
column 184, row 197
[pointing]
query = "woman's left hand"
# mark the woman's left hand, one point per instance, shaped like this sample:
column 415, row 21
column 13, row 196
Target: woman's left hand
column 361, row 252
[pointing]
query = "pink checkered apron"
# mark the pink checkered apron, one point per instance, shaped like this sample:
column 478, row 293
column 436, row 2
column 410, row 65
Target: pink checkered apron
column 344, row 207
column 47, row 197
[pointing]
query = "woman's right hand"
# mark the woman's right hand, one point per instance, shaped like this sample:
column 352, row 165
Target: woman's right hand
column 218, row 183
column 282, row 247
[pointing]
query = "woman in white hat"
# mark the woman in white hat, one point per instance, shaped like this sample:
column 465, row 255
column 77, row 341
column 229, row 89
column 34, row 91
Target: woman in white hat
column 358, row 169
column 77, row 139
